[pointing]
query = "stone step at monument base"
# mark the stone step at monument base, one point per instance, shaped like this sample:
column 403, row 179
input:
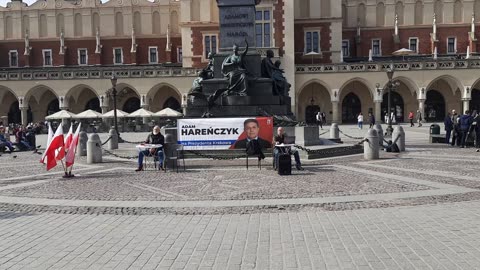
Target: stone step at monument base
column 238, row 111
column 327, row 151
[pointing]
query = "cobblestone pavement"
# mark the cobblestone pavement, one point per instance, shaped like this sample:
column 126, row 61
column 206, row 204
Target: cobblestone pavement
column 414, row 210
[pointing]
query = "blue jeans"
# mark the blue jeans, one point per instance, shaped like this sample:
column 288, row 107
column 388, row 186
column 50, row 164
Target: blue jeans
column 142, row 154
column 360, row 125
column 448, row 134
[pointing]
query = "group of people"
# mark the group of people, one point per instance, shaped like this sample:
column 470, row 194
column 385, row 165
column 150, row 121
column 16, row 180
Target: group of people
column 24, row 139
column 371, row 120
column 321, row 119
column 459, row 128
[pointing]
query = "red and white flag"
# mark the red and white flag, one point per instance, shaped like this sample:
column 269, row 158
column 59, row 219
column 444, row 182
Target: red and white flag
column 55, row 149
column 70, row 157
column 69, row 137
column 49, row 139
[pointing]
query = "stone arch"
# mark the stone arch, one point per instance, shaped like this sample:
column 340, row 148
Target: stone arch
column 403, row 99
column 174, row 22
column 380, row 14
column 125, row 94
column 453, row 82
column 399, row 11
column 60, row 23
column 474, row 103
column 450, row 90
column 119, row 23
column 42, row 25
column 156, row 27
column 158, row 95
column 78, row 25
column 95, row 23
column 79, row 96
column 39, row 99
column 137, row 22
column 8, row 98
column 418, row 12
column 8, row 27
column 458, row 11
column 409, row 83
column 314, row 94
column 361, row 89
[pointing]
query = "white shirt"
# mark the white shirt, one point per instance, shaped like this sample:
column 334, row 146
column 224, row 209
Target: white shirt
column 360, row 118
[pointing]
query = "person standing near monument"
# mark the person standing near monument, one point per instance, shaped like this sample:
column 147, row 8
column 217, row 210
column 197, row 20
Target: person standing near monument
column 234, row 68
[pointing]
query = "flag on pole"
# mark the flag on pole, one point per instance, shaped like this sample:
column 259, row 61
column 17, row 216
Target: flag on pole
column 55, row 147
column 68, row 138
column 70, row 157
column 49, row 139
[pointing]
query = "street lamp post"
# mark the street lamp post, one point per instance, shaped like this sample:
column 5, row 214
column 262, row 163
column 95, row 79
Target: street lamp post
column 390, row 73
column 113, row 80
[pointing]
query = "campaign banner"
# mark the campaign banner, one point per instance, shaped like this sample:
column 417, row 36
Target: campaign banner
column 224, row 133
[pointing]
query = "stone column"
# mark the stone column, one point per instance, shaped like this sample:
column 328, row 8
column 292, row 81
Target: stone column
column 378, row 110
column 335, row 114
column 466, row 105
column 24, row 112
column 421, row 108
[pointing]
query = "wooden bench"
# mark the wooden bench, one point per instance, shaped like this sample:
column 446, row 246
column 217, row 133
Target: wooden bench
column 437, row 138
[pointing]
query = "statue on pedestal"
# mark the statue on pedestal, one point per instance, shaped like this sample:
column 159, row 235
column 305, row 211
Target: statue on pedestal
column 27, row 44
column 234, row 69
column 62, row 42
column 98, row 46
column 204, row 74
column 134, row 42
column 273, row 71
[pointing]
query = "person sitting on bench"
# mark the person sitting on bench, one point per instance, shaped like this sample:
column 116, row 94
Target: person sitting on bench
column 392, row 147
column 280, row 139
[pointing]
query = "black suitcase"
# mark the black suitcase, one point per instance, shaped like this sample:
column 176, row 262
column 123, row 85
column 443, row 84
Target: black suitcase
column 284, row 164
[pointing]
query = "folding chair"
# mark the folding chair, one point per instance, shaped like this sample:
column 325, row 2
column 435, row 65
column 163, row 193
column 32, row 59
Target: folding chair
column 259, row 165
column 153, row 157
column 175, row 155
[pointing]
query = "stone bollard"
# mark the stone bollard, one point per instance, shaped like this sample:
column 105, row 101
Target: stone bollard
column 94, row 149
column 334, row 132
column 82, row 144
column 371, row 149
column 399, row 132
column 379, row 129
column 113, row 142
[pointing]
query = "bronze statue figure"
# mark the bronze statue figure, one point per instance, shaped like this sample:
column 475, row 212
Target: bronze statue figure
column 280, row 86
column 234, row 69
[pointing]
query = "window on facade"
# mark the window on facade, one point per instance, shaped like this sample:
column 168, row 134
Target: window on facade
column 312, row 41
column 152, row 55
column 457, row 11
column 381, row 14
column 117, row 56
column 8, row 27
column 376, row 47
column 451, row 45
column 42, row 28
column 209, row 44
column 47, row 57
column 82, row 57
column 362, row 14
column 179, row 55
column 438, row 9
column 346, row 48
column 13, row 58
column 263, row 28
column 413, row 44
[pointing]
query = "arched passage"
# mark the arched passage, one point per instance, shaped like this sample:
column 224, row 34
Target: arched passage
column 162, row 96
column 351, row 108
column 403, row 100
column 7, row 101
column 128, row 98
column 446, row 96
column 314, row 97
column 355, row 97
column 131, row 104
column 41, row 100
column 475, row 101
column 397, row 106
column 81, row 98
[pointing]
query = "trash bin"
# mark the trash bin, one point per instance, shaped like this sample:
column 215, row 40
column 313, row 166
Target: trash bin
column 434, row 129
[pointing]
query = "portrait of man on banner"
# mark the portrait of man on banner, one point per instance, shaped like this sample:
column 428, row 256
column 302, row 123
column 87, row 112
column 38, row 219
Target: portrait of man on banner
column 259, row 129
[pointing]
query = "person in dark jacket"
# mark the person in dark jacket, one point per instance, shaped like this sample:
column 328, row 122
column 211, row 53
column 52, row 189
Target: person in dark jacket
column 371, row 119
column 456, row 129
column 448, row 127
column 153, row 138
column 476, row 128
column 466, row 121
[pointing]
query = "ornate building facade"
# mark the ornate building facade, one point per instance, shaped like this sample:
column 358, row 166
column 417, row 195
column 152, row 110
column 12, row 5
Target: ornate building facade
column 60, row 54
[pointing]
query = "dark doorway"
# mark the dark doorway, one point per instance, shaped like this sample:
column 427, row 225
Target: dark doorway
column 434, row 106
column 132, row 104
column 311, row 113
column 173, row 104
column 351, row 107
column 475, row 101
column 15, row 115
column 93, row 104
column 397, row 106
column 53, row 107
